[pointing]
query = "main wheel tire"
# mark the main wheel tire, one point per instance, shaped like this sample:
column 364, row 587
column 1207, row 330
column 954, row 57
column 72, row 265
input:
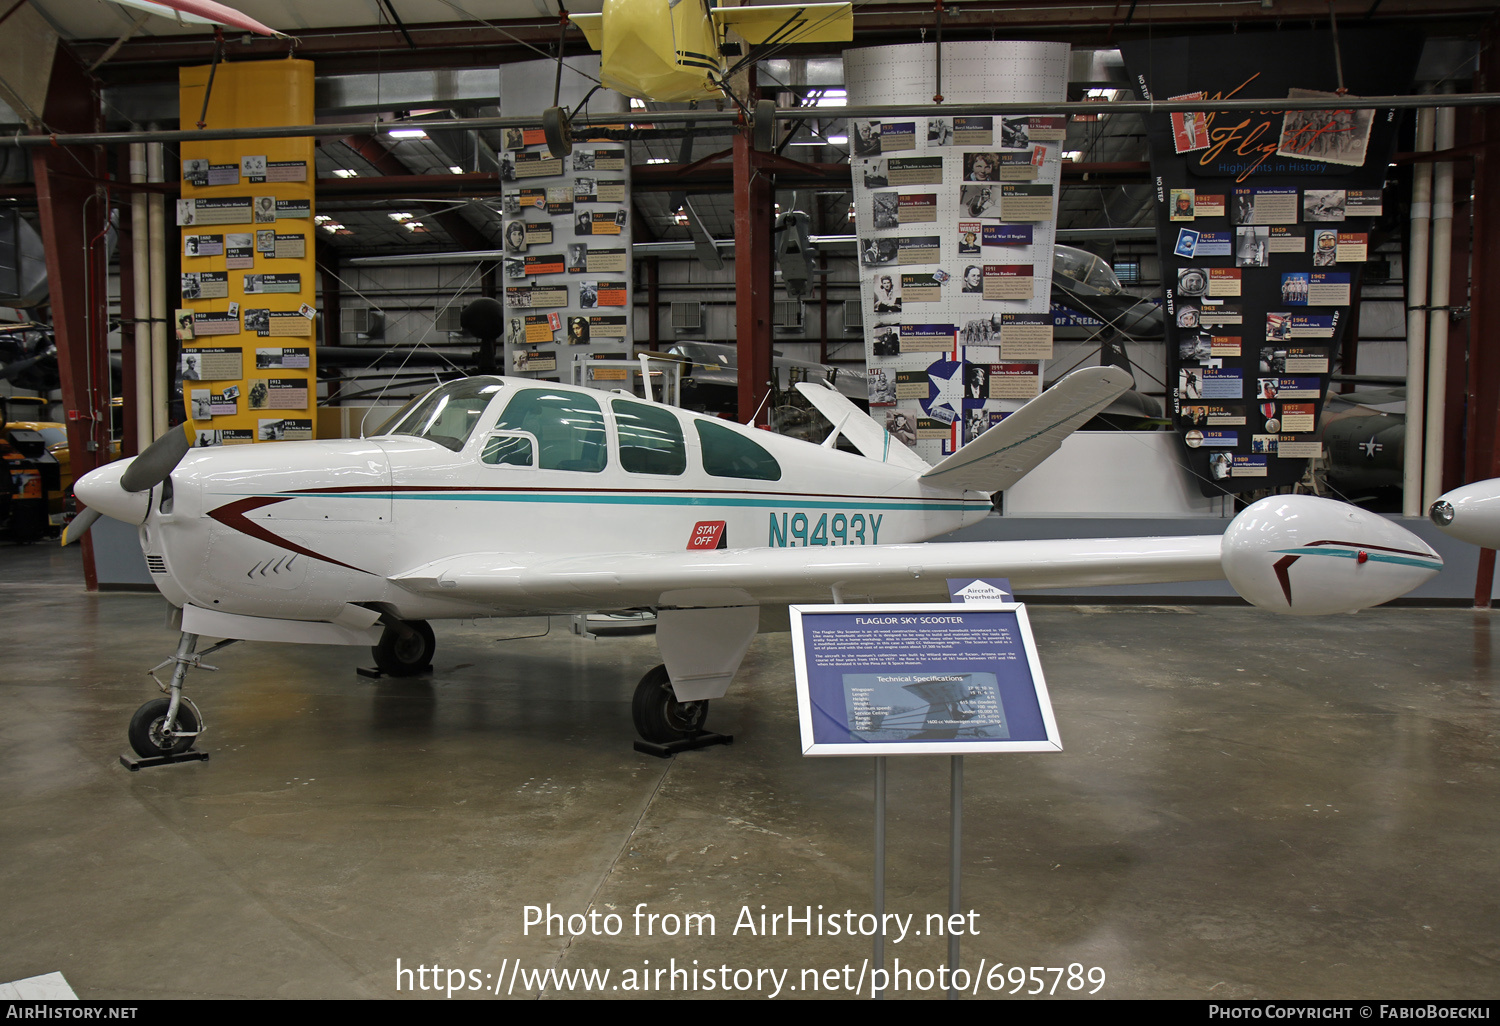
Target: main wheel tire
column 763, row 128
column 398, row 656
column 146, row 725
column 659, row 716
column 558, row 132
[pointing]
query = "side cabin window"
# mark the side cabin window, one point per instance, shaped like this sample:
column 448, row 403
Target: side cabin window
column 511, row 449
column 728, row 453
column 568, row 428
column 651, row 439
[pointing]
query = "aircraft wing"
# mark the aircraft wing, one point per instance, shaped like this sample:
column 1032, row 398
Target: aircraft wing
column 1008, row 451
column 789, row 23
column 592, row 26
column 516, row 583
column 201, row 12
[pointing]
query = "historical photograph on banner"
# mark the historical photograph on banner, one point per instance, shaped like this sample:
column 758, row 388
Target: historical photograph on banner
column 1332, row 136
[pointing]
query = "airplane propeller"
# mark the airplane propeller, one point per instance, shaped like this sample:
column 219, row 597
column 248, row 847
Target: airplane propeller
column 161, row 457
column 121, row 489
column 79, row 525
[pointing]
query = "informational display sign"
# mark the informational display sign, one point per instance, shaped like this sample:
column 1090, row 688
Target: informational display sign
column 568, row 224
column 1264, row 223
column 956, row 218
column 917, row 679
column 251, row 275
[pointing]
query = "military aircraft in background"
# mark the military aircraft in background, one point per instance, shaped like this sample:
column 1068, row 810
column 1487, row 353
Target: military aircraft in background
column 28, row 357
column 494, row 496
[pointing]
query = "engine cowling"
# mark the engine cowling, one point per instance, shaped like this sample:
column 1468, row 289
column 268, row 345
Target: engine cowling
column 1310, row 556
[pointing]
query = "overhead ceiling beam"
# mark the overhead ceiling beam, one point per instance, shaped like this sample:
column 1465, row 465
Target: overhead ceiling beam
column 464, row 235
column 470, row 44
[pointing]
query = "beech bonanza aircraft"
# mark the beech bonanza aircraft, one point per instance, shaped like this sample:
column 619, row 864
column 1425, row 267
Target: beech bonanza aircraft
column 630, row 504
column 676, row 50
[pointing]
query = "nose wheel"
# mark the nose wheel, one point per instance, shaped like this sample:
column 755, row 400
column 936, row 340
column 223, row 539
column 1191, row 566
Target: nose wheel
column 151, row 734
column 164, row 730
column 666, row 725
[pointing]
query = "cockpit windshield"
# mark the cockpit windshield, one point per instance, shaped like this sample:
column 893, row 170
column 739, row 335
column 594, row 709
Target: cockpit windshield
column 447, row 415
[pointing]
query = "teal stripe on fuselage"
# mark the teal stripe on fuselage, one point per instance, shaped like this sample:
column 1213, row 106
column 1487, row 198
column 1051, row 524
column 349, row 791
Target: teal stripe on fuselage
column 911, row 505
column 1374, row 557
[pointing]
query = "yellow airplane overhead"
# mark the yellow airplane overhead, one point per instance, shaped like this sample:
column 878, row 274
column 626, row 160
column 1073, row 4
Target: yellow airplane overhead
column 669, row 50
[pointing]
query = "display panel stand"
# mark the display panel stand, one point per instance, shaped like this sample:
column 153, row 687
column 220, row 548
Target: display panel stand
column 955, row 861
column 859, row 669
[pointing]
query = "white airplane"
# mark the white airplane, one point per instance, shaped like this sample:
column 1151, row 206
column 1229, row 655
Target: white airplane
column 494, row 496
column 1470, row 513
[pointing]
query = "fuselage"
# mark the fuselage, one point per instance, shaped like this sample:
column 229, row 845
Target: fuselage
column 296, row 530
column 660, row 50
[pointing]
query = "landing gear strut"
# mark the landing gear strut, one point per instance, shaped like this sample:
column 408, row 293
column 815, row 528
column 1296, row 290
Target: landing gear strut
column 667, row 725
column 164, row 730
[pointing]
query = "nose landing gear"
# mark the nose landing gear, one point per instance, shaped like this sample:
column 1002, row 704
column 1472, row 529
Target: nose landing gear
column 164, row 730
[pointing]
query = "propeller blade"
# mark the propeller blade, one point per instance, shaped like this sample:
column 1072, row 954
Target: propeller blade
column 10, row 370
column 79, row 526
column 161, row 457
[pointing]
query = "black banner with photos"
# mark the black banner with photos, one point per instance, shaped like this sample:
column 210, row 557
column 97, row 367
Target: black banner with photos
column 1264, row 224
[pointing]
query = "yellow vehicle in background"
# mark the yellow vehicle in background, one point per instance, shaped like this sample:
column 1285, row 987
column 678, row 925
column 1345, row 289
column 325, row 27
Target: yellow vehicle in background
column 38, row 438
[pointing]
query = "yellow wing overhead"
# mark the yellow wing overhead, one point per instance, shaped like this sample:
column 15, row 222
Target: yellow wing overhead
column 788, row 23
column 592, row 26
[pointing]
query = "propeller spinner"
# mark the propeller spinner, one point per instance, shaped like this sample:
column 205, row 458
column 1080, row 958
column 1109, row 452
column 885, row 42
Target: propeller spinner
column 122, row 490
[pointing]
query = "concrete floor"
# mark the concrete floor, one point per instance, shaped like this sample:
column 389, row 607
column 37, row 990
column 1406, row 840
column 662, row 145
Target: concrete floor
column 1249, row 806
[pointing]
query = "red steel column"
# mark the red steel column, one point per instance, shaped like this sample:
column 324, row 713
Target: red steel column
column 74, row 211
column 754, row 251
column 1483, row 454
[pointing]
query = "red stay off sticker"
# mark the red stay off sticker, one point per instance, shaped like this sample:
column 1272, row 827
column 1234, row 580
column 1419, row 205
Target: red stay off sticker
column 707, row 534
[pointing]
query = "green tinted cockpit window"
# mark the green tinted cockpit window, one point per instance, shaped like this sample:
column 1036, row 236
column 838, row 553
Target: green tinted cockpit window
column 447, row 415
column 728, row 453
column 650, row 439
column 568, row 427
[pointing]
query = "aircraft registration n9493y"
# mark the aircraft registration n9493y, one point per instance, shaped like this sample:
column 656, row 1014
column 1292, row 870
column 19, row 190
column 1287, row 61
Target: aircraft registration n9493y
column 500, row 496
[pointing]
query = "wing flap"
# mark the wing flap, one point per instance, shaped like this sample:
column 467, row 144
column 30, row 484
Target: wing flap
column 789, row 23
column 592, row 26
column 1011, row 449
column 518, row 583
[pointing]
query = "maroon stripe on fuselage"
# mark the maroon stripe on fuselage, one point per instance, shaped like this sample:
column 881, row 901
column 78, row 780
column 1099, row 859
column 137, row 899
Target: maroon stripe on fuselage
column 232, row 515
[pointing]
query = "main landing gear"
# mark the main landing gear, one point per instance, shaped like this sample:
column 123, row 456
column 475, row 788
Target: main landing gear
column 558, row 131
column 405, row 648
column 164, row 730
column 667, row 725
column 763, row 126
